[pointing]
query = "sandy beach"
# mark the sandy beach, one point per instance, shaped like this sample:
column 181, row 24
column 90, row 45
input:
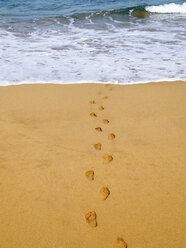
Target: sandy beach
column 93, row 166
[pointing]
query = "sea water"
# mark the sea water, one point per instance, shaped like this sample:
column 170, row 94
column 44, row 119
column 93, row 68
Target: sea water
column 72, row 41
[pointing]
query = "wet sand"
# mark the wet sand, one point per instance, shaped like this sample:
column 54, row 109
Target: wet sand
column 93, row 166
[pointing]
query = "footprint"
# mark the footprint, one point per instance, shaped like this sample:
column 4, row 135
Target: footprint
column 97, row 146
column 120, row 243
column 99, row 129
column 89, row 175
column 91, row 218
column 99, row 92
column 110, row 89
column 93, row 114
column 107, row 159
column 106, row 85
column 111, row 136
column 105, row 121
column 105, row 97
column 92, row 102
column 101, row 108
column 104, row 193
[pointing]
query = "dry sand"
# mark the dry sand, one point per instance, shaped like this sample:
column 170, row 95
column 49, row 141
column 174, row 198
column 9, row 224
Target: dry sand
column 69, row 179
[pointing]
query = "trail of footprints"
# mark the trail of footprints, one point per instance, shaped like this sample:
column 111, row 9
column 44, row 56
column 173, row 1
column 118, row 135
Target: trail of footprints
column 104, row 193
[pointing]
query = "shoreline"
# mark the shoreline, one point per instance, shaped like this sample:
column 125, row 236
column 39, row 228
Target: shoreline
column 92, row 165
column 94, row 82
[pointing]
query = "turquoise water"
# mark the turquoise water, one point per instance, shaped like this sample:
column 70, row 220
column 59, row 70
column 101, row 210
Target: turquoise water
column 91, row 41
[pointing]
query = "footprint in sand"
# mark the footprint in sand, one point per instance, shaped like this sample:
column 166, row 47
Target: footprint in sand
column 101, row 108
column 106, row 85
column 99, row 129
column 92, row 102
column 97, row 146
column 110, row 89
column 111, row 136
column 107, row 159
column 105, row 97
column 104, row 193
column 99, row 92
column 120, row 243
column 93, row 114
column 91, row 218
column 89, row 175
column 105, row 121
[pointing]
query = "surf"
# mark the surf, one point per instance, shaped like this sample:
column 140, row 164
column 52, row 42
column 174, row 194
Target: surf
column 171, row 8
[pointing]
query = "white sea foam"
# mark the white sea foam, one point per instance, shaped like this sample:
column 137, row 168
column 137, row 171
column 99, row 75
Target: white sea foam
column 140, row 51
column 168, row 8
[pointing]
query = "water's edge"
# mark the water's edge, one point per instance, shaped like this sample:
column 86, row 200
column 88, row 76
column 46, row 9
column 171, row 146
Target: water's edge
column 93, row 82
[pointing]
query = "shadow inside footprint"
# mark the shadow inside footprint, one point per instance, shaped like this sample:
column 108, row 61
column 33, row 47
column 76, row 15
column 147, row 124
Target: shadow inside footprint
column 99, row 129
column 120, row 243
column 92, row 102
column 89, row 175
column 111, row 136
column 97, row 146
column 93, row 114
column 107, row 159
column 101, row 108
column 104, row 193
column 91, row 218
column 105, row 121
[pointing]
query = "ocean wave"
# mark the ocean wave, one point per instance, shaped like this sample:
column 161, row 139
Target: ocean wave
column 161, row 9
column 140, row 11
column 168, row 8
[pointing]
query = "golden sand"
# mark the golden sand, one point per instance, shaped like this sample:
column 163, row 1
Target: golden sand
column 53, row 138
